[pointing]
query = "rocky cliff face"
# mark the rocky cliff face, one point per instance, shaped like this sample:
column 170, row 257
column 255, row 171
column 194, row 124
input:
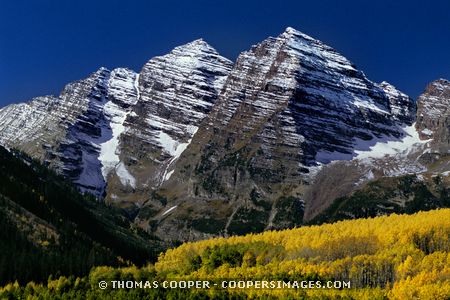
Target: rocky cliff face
column 423, row 151
column 176, row 91
column 195, row 146
column 75, row 131
column 289, row 105
column 433, row 111
column 119, row 126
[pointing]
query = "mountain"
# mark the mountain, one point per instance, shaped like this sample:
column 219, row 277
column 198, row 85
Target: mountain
column 176, row 92
column 48, row 227
column 290, row 105
column 67, row 132
column 195, row 146
column 78, row 132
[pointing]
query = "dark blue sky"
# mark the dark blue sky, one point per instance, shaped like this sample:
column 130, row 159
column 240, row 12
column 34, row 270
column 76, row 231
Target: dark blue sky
column 45, row 44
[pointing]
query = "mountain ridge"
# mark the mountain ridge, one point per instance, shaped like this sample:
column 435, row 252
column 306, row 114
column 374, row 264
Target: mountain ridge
column 194, row 145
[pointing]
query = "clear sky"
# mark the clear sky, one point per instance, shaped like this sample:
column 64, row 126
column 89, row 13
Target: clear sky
column 45, row 44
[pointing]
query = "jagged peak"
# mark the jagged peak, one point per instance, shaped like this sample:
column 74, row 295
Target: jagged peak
column 199, row 41
column 297, row 39
column 302, row 43
column 438, row 84
column 388, row 86
column 198, row 45
column 101, row 71
column 122, row 70
column 189, row 54
column 289, row 35
column 385, row 83
column 440, row 81
column 291, row 32
column 101, row 74
column 290, row 29
column 392, row 90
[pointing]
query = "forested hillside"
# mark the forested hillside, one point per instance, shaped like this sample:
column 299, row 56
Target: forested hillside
column 403, row 194
column 49, row 228
column 388, row 257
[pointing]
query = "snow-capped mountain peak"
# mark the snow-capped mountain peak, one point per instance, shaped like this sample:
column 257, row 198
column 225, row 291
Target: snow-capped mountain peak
column 192, row 128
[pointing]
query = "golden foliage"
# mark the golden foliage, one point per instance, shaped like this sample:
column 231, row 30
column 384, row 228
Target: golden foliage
column 389, row 257
column 396, row 256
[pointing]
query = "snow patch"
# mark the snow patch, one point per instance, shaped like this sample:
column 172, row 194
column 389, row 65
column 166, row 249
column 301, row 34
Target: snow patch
column 168, row 144
column 325, row 157
column 169, row 210
column 376, row 147
column 385, row 146
column 186, row 61
column 167, row 176
column 136, row 86
column 368, row 104
column 366, row 177
column 124, row 176
column 427, row 131
column 109, row 156
column 174, row 148
column 109, row 150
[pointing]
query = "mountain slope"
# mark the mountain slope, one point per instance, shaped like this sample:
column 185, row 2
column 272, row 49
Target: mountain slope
column 402, row 194
column 71, row 132
column 424, row 151
column 50, row 228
